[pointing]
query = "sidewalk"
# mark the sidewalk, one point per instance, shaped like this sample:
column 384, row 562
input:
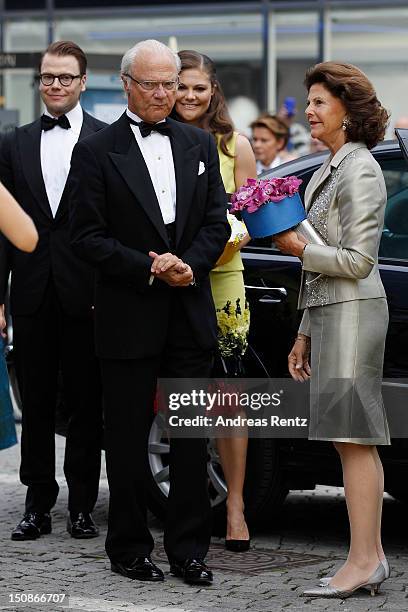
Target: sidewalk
column 310, row 542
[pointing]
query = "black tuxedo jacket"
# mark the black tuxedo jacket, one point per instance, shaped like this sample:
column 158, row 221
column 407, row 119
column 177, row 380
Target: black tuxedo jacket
column 20, row 172
column 116, row 221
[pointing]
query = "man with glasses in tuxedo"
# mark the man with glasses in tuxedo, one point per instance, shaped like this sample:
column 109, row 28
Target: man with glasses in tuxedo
column 149, row 211
column 51, row 303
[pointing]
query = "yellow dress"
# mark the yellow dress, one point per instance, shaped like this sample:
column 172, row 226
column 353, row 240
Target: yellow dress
column 227, row 281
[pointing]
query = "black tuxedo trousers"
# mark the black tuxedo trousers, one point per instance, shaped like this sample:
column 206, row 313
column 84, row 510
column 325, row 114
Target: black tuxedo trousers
column 51, row 349
column 129, row 387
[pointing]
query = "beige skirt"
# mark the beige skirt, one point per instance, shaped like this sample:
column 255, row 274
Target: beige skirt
column 347, row 343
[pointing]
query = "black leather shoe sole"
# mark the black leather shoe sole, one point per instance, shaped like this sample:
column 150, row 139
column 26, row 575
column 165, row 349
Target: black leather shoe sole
column 82, row 536
column 135, row 575
column 179, row 572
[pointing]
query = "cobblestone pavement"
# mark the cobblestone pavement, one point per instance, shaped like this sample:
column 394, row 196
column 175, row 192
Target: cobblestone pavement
column 309, row 542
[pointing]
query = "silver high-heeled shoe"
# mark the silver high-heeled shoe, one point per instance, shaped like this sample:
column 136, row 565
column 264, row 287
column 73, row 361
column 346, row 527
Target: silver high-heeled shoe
column 373, row 583
column 326, row 580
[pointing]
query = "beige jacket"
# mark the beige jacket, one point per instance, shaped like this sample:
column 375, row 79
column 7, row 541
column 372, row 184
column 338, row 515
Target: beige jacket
column 354, row 227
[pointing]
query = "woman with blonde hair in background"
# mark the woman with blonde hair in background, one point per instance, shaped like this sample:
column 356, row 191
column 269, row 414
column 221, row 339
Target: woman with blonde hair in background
column 201, row 102
column 270, row 136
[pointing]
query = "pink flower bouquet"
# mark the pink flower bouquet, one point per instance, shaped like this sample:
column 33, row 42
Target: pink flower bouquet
column 269, row 206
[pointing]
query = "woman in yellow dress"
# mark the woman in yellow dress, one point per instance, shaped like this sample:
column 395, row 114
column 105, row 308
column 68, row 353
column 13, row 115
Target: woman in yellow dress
column 201, row 102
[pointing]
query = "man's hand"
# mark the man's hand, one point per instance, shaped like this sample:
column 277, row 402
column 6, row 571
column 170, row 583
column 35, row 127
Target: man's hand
column 3, row 322
column 164, row 262
column 171, row 269
column 177, row 279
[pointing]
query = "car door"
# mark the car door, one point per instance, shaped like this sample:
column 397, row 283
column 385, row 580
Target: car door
column 393, row 263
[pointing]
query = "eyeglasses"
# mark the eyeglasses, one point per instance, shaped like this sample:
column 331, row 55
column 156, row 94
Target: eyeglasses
column 64, row 79
column 152, row 85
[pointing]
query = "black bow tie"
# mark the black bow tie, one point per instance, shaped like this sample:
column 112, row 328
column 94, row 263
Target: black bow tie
column 147, row 128
column 48, row 123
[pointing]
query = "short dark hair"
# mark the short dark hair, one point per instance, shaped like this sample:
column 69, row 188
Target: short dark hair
column 275, row 125
column 367, row 119
column 66, row 47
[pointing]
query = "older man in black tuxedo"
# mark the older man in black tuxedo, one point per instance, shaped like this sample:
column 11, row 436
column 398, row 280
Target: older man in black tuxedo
column 149, row 211
column 51, row 303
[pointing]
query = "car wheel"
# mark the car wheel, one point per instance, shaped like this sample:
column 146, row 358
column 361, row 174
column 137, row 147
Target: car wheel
column 159, row 484
column 265, row 487
column 264, row 490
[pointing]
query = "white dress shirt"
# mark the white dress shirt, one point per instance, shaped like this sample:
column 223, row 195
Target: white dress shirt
column 56, row 150
column 157, row 153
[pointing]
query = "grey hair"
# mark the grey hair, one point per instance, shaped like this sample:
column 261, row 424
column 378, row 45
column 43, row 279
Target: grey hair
column 147, row 46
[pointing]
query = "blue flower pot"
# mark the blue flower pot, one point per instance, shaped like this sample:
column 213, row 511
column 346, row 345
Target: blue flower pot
column 274, row 217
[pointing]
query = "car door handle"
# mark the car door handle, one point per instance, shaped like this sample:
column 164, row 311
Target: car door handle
column 268, row 299
column 280, row 290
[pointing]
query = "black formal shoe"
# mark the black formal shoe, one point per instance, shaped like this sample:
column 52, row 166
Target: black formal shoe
column 81, row 526
column 238, row 545
column 194, row 571
column 142, row 568
column 32, row 526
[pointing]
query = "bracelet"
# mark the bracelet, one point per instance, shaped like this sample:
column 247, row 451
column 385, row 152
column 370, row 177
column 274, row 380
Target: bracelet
column 303, row 338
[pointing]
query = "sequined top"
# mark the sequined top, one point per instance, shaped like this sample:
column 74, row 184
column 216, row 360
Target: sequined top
column 317, row 285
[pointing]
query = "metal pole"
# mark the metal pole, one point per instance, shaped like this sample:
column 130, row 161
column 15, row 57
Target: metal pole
column 265, row 55
column 1, row 51
column 272, row 65
column 50, row 21
column 321, row 32
column 1, row 26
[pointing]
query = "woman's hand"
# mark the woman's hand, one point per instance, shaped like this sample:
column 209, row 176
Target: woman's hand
column 298, row 359
column 290, row 243
column 244, row 241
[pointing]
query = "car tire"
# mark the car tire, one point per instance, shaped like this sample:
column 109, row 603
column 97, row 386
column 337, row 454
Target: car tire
column 158, row 482
column 264, row 489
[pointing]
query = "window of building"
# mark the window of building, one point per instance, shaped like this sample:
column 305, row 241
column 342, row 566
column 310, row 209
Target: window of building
column 376, row 40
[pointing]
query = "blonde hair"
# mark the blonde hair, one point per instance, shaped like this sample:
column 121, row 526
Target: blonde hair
column 275, row 125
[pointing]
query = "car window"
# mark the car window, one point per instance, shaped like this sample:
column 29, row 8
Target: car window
column 394, row 240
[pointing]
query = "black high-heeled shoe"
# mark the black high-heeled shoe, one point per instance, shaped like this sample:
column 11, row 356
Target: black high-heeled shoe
column 238, row 545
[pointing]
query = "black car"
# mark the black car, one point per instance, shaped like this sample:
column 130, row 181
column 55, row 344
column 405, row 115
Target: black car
column 275, row 466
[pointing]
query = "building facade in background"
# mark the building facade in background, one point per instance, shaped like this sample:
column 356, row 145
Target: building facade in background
column 262, row 48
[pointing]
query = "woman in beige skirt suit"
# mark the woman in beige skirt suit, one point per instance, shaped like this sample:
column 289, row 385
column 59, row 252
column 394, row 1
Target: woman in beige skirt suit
column 345, row 316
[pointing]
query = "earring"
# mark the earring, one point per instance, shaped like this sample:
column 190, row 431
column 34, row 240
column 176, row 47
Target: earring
column 345, row 124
